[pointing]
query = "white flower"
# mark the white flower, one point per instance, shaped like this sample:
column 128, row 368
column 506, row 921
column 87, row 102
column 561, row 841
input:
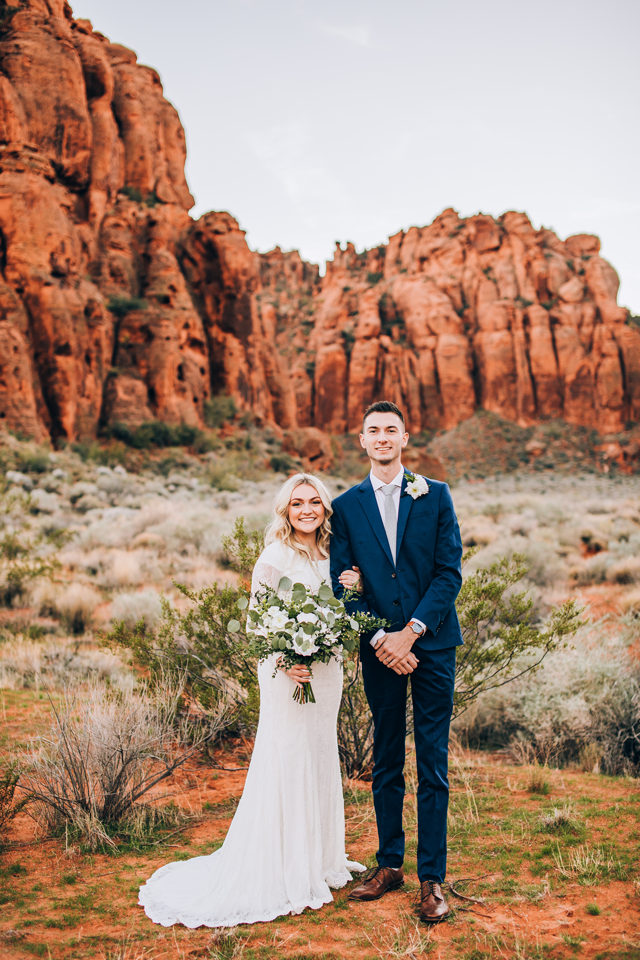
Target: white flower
column 307, row 618
column 275, row 618
column 302, row 644
column 417, row 487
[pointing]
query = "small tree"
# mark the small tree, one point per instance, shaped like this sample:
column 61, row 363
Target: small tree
column 501, row 643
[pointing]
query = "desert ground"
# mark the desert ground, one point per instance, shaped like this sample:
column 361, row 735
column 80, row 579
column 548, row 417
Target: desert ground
column 545, row 805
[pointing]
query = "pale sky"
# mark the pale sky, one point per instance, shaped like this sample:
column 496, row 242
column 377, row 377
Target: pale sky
column 313, row 122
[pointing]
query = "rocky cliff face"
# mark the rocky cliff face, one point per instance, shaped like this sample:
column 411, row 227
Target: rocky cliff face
column 475, row 312
column 116, row 306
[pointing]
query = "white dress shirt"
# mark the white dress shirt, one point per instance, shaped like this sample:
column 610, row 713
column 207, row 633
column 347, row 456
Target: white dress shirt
column 377, row 485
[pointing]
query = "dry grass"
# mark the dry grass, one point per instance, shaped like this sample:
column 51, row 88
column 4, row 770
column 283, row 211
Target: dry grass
column 106, row 750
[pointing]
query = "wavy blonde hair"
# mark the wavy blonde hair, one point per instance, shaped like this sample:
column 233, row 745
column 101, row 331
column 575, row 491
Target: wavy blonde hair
column 280, row 527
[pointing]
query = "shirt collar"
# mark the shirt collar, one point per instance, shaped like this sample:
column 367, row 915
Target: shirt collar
column 376, row 483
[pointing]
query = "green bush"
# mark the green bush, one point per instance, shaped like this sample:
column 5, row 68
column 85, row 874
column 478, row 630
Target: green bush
column 19, row 564
column 33, row 462
column 219, row 410
column 132, row 193
column 281, row 463
column 121, row 306
column 157, row 433
column 501, row 643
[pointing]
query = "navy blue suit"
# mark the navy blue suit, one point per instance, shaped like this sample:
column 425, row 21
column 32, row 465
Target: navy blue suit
column 423, row 583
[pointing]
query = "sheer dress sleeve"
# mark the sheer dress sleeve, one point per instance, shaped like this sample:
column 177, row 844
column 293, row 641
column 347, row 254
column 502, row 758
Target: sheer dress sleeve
column 264, row 575
column 267, row 574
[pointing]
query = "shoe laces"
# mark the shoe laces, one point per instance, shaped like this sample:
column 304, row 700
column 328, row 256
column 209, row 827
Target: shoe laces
column 432, row 890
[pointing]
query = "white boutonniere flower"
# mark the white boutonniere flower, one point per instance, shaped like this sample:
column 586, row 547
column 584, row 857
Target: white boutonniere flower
column 416, row 486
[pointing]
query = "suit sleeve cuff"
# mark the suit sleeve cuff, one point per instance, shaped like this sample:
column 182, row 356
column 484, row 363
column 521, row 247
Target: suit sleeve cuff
column 377, row 637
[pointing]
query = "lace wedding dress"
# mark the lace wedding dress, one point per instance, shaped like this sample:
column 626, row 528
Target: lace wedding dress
column 285, row 846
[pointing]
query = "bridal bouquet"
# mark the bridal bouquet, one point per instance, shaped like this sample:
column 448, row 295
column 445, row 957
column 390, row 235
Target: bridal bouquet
column 306, row 628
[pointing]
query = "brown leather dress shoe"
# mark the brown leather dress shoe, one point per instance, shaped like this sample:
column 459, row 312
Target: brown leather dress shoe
column 377, row 883
column 433, row 906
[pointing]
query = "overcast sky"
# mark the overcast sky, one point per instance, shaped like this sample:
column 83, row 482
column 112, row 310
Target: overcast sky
column 313, row 121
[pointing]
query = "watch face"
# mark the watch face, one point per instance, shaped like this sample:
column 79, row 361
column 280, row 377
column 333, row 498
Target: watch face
column 416, row 628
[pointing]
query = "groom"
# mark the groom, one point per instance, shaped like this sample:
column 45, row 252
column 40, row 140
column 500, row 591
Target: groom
column 407, row 545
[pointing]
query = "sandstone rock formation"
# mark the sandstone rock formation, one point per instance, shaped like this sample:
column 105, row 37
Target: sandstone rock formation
column 116, row 306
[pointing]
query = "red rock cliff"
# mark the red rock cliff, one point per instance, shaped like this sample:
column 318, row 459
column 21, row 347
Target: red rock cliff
column 116, row 306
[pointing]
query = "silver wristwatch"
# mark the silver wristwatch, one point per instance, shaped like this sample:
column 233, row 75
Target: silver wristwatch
column 417, row 629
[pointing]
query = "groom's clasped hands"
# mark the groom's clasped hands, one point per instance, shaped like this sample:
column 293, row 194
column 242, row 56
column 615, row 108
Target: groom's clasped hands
column 394, row 649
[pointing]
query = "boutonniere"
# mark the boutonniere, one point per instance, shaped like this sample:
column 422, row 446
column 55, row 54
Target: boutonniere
column 416, row 486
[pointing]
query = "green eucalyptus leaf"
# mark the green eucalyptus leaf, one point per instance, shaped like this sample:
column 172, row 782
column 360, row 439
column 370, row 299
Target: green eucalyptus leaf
column 285, row 584
column 325, row 592
column 242, row 603
column 233, row 626
column 309, row 628
column 333, row 602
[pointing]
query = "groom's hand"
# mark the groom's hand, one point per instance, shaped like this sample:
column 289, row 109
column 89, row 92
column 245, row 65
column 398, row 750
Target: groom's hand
column 395, row 651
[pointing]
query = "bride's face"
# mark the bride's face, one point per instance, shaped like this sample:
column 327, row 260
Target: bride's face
column 306, row 509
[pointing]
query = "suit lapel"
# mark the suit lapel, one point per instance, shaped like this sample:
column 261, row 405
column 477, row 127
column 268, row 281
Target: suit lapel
column 369, row 505
column 406, row 502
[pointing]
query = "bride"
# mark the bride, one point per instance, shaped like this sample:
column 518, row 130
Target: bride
column 285, row 847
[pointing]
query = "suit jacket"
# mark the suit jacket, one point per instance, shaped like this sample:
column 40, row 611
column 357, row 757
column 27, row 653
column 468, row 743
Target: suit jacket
column 426, row 578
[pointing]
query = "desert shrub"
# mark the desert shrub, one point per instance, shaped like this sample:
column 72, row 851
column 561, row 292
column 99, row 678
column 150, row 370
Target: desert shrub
column 197, row 645
column 20, row 565
column 218, row 410
column 582, row 707
column 625, row 571
column 560, row 819
column 30, row 664
column 107, row 748
column 132, row 608
column 282, row 463
column 132, row 193
column 9, row 806
column 121, row 306
column 220, row 478
column 501, row 641
column 33, row 462
column 157, row 433
column 76, row 606
column 355, row 729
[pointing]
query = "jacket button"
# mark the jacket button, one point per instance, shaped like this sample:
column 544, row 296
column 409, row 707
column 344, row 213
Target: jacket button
column 393, row 575
column 396, row 603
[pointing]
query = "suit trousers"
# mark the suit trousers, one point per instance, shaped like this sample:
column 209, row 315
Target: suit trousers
column 432, row 684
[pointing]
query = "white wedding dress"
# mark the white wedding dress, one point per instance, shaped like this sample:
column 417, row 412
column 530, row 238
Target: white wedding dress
column 286, row 844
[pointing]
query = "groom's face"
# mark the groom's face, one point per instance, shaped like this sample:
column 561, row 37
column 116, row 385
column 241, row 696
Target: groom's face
column 384, row 437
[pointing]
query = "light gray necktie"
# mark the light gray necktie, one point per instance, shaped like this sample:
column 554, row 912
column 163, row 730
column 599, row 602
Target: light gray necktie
column 390, row 517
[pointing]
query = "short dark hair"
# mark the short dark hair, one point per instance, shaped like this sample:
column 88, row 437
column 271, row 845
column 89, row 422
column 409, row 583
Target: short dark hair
column 382, row 406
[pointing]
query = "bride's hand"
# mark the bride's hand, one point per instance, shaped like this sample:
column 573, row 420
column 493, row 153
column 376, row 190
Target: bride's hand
column 298, row 673
column 351, row 578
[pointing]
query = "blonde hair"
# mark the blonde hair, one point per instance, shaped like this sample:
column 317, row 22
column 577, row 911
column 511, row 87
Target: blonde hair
column 280, row 527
